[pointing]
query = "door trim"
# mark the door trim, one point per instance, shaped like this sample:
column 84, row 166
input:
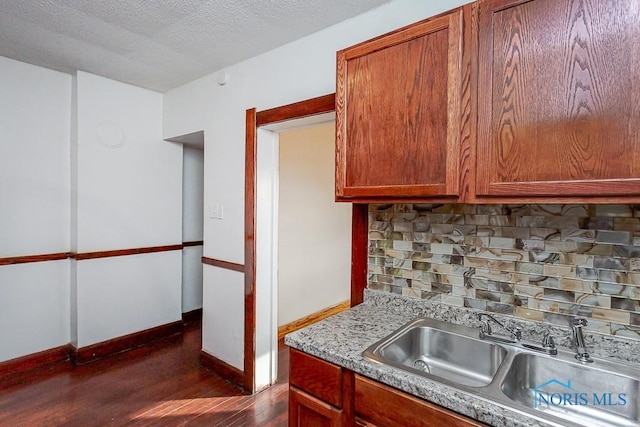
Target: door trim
column 254, row 119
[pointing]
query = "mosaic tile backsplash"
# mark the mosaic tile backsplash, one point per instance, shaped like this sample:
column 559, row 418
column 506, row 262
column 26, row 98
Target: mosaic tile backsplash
column 539, row 262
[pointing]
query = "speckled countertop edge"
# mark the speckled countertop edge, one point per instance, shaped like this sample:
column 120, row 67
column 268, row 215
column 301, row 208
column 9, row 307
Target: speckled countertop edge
column 342, row 338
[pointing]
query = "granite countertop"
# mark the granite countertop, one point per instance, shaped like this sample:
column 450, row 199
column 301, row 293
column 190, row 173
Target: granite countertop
column 342, row 338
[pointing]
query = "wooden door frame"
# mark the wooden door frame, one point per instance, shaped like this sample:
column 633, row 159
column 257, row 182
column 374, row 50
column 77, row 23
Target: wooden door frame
column 254, row 120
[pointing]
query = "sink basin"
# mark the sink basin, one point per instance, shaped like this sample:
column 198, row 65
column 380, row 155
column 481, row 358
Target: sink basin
column 555, row 389
column 438, row 349
column 598, row 394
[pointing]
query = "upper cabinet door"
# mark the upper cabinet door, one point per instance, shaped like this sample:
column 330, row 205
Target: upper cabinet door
column 559, row 98
column 398, row 112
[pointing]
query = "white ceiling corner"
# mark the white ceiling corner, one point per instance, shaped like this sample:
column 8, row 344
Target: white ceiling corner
column 159, row 45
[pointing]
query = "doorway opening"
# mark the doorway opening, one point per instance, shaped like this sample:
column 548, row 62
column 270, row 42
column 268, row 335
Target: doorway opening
column 192, row 228
column 314, row 232
column 192, row 221
column 261, row 225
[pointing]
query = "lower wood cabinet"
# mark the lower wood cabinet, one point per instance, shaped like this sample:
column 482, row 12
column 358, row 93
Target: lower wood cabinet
column 323, row 394
column 320, row 393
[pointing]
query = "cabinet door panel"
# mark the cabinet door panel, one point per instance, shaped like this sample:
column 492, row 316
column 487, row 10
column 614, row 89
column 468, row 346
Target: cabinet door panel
column 398, row 112
column 307, row 411
column 384, row 105
column 559, row 98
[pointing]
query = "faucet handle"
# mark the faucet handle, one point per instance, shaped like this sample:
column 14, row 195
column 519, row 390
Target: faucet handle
column 485, row 329
column 579, row 322
column 548, row 344
column 517, row 334
column 548, row 341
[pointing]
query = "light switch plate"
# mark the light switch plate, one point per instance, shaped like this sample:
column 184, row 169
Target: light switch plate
column 216, row 211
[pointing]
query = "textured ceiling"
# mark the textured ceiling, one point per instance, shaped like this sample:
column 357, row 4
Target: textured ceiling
column 159, row 44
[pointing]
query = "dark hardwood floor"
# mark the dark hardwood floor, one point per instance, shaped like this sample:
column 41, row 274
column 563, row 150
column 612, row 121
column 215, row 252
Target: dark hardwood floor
column 161, row 384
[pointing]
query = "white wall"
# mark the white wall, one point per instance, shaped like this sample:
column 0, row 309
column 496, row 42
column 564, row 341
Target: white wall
column 300, row 70
column 223, row 325
column 192, row 193
column 314, row 263
column 121, row 295
column 83, row 168
column 129, row 179
column 34, row 308
column 35, row 108
column 191, row 278
column 129, row 195
column 192, row 227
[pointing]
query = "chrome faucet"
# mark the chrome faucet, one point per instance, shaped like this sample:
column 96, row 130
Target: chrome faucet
column 486, row 332
column 548, row 344
column 578, row 340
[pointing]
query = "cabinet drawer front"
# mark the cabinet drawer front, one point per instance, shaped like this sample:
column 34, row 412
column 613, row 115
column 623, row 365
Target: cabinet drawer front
column 317, row 377
column 401, row 409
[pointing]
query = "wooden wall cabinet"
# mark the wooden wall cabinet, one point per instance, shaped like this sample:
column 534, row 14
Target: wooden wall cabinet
column 498, row 101
column 399, row 107
column 558, row 98
column 325, row 395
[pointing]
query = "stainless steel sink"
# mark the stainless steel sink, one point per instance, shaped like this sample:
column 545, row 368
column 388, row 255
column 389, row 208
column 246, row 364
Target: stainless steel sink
column 603, row 395
column 438, row 349
column 555, row 389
